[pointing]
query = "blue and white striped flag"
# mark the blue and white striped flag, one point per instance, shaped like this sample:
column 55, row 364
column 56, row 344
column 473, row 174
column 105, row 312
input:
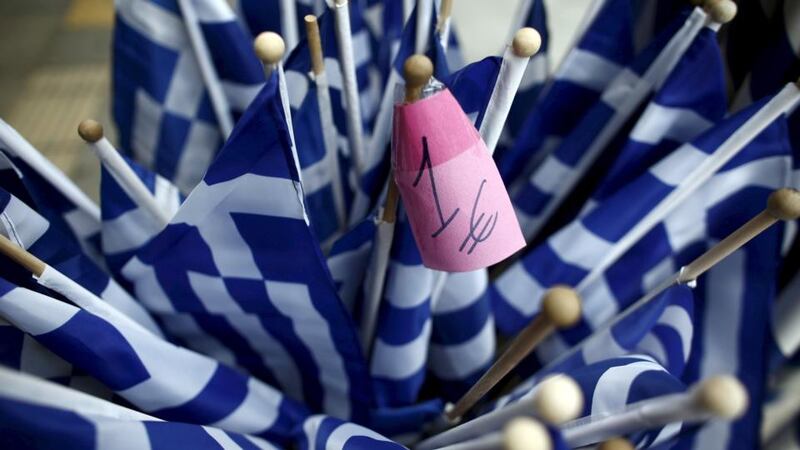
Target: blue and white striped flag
column 240, row 276
column 161, row 106
column 27, row 174
column 275, row 16
column 611, row 40
column 328, row 433
column 127, row 227
column 26, row 228
column 38, row 415
column 157, row 377
column 670, row 240
column 691, row 100
column 593, row 142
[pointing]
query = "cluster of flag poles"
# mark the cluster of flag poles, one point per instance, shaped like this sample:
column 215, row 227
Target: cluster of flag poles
column 316, row 241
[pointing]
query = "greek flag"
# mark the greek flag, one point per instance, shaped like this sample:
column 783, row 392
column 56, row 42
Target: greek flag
column 240, row 277
column 570, row 255
column 415, row 301
column 610, row 41
column 127, row 227
column 591, row 144
column 314, row 148
column 270, row 15
column 159, row 378
column 735, row 301
column 37, row 414
column 29, row 175
column 691, row 100
column 160, row 103
column 29, row 230
column 327, row 433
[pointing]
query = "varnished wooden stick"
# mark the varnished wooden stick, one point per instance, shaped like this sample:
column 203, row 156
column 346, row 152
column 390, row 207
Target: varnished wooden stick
column 417, row 70
column 219, row 101
column 556, row 400
column 783, row 204
column 22, row 257
column 329, row 134
column 525, row 44
column 561, row 308
column 722, row 397
column 522, row 433
column 616, row 443
column 92, row 132
column 269, row 47
column 344, row 40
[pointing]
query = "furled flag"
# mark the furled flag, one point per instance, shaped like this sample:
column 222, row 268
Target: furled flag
column 328, row 433
column 37, row 414
column 284, row 17
column 543, row 197
column 592, row 252
column 531, row 13
column 161, row 106
column 127, row 227
column 241, row 277
column 47, row 189
column 24, row 227
column 157, row 377
column 609, row 42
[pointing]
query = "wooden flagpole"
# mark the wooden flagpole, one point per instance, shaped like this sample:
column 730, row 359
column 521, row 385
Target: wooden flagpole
column 561, row 308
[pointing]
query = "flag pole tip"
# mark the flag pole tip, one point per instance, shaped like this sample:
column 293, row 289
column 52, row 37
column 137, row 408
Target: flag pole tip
column 784, row 204
column 90, row 131
column 526, row 43
column 269, row 47
column 562, row 305
column 417, row 70
column 526, row 434
column 310, row 18
column 724, row 396
column 721, row 11
column 559, row 399
column 616, row 444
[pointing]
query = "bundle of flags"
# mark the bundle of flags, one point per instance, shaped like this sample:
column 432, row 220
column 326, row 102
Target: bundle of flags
column 278, row 296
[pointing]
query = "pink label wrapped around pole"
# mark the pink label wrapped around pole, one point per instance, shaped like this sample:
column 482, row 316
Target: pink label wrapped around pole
column 455, row 200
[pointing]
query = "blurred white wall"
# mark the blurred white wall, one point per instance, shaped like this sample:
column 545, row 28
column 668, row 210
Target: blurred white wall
column 483, row 26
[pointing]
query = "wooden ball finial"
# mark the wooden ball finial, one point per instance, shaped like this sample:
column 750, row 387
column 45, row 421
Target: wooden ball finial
column 721, row 11
column 90, row 131
column 616, row 444
column 417, row 70
column 784, row 204
column 562, row 305
column 269, row 47
column 523, row 433
column 724, row 396
column 526, row 43
column 558, row 400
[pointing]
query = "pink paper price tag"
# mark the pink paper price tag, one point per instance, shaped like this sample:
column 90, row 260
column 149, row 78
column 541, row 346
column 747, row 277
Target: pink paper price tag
column 456, row 202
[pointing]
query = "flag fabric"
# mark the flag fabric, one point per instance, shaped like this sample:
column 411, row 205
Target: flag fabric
column 127, row 227
column 27, row 229
column 568, row 256
column 691, row 100
column 312, row 150
column 241, row 277
column 595, row 138
column 36, row 414
column 157, row 377
column 327, row 433
column 28, row 174
column 160, row 105
column 260, row 16
column 609, row 43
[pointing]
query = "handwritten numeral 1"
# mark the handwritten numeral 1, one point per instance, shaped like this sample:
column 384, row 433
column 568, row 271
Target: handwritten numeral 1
column 426, row 163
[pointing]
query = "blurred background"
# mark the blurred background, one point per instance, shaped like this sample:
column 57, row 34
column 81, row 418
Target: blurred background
column 55, row 71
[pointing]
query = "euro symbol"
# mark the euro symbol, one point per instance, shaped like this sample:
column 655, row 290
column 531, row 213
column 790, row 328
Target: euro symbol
column 488, row 226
